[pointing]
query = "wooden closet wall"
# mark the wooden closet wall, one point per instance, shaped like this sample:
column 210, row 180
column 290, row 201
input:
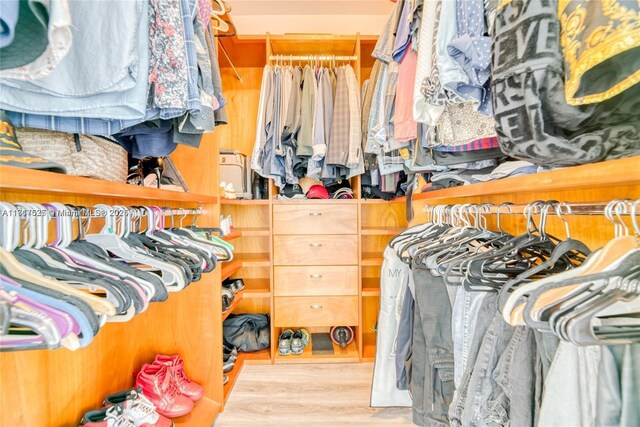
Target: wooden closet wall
column 55, row 388
column 377, row 220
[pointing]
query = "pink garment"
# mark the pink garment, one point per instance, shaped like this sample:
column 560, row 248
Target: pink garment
column 205, row 10
column 406, row 128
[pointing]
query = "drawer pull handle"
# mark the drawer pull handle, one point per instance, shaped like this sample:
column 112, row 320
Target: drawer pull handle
column 315, row 245
column 315, row 213
column 316, row 276
column 316, row 306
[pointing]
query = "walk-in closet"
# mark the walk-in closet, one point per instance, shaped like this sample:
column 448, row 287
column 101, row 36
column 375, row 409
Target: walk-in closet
column 308, row 213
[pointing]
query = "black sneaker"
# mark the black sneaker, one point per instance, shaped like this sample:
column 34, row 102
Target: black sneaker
column 292, row 191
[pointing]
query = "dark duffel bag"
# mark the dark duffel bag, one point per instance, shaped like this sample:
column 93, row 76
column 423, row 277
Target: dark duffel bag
column 247, row 332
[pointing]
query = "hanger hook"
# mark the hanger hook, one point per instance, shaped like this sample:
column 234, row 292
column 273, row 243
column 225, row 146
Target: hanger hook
column 634, row 219
column 558, row 209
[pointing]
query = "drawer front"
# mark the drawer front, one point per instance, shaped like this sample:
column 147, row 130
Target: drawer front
column 315, row 250
column 305, row 281
column 315, row 219
column 316, row 311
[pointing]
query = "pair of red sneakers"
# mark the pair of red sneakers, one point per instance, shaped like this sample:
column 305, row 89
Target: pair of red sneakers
column 166, row 385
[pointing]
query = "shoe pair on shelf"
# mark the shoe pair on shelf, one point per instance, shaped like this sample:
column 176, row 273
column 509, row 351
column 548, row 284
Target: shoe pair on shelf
column 227, row 191
column 129, row 408
column 293, row 342
column 230, row 288
column 166, row 385
column 229, row 357
column 226, row 224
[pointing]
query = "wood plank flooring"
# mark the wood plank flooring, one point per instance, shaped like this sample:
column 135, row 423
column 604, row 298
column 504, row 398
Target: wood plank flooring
column 307, row 395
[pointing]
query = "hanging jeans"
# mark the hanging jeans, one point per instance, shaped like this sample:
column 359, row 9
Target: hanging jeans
column 432, row 357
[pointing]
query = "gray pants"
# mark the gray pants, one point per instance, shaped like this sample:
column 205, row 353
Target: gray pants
column 432, row 357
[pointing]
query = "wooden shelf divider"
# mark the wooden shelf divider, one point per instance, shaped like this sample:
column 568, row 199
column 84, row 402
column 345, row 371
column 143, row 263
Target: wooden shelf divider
column 603, row 174
column 371, row 259
column 340, row 355
column 381, row 231
column 22, row 179
column 256, row 288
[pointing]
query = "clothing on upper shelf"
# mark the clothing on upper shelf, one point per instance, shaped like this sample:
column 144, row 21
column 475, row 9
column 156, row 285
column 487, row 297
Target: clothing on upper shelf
column 476, row 75
column 308, row 124
column 602, row 52
column 159, row 70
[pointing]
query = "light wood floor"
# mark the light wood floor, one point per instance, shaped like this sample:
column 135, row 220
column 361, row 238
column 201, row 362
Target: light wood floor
column 307, row 395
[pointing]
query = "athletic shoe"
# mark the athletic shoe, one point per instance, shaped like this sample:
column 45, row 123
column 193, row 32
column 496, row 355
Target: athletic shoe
column 284, row 343
column 299, row 341
column 292, row 191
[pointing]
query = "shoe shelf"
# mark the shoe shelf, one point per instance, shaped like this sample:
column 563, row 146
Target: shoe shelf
column 381, row 231
column 257, row 357
column 348, row 354
column 235, row 234
column 244, row 260
column 236, row 300
column 246, row 232
column 204, row 411
column 371, row 259
column 29, row 180
column 254, row 259
column 229, row 268
column 370, row 286
column 242, row 202
column 368, row 346
column 233, row 376
column 603, row 174
column 256, row 288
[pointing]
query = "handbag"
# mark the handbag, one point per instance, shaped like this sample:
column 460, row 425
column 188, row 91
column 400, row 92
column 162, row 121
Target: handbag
column 82, row 155
column 247, row 332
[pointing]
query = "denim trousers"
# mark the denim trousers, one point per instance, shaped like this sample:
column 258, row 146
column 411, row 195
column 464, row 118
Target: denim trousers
column 485, row 317
column 432, row 356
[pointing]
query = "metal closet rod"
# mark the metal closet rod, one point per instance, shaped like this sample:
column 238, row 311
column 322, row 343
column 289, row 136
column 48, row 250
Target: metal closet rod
column 86, row 213
column 625, row 207
column 312, row 58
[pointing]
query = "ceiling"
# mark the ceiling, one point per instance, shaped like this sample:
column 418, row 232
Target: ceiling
column 310, row 16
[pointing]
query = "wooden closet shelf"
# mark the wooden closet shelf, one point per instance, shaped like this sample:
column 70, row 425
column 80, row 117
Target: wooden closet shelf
column 381, row 231
column 383, row 202
column 585, row 177
column 257, row 357
column 340, row 355
column 371, row 259
column 371, row 292
column 203, row 414
column 236, row 300
column 243, row 202
column 254, row 260
column 319, row 201
column 245, row 232
column 21, row 179
column 244, row 260
column 257, row 288
column 229, row 268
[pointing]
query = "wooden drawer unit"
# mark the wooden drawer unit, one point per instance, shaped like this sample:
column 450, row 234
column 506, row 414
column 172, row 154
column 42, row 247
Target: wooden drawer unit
column 318, row 218
column 316, row 311
column 305, row 281
column 315, row 250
